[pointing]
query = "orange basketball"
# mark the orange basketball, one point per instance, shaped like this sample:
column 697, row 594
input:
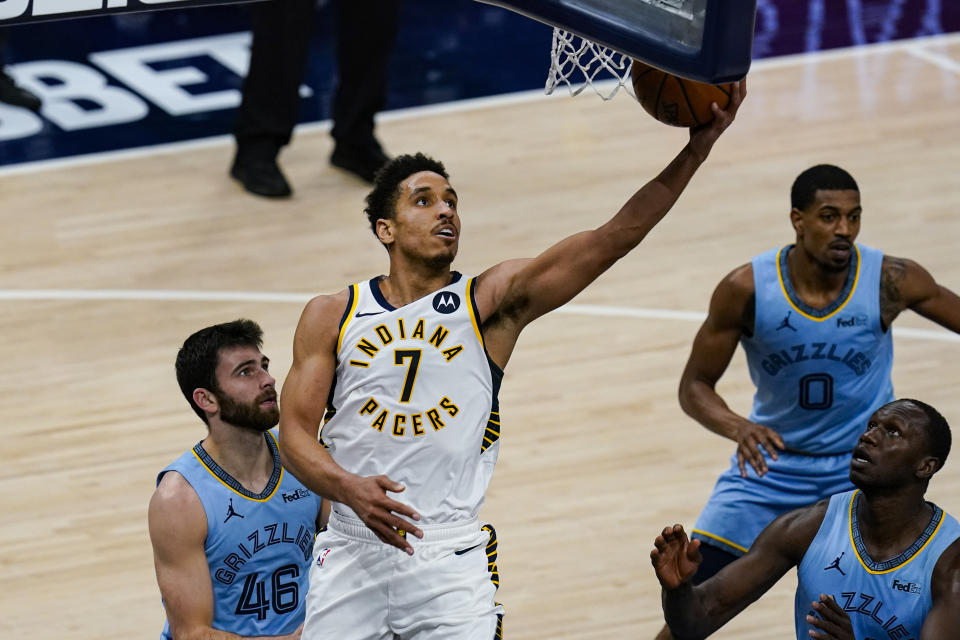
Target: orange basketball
column 674, row 100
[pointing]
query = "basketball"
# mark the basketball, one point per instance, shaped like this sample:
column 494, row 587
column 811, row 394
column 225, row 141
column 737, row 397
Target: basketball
column 674, row 100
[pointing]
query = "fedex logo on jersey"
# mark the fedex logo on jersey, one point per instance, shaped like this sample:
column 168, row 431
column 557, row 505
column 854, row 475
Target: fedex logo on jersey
column 859, row 320
column 906, row 587
column 296, row 495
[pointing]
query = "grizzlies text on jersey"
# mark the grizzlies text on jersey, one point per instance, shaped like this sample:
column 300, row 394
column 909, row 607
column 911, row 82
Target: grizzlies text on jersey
column 884, row 600
column 258, row 546
column 819, row 374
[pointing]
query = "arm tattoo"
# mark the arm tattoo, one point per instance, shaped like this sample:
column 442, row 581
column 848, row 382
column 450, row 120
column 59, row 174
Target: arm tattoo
column 893, row 271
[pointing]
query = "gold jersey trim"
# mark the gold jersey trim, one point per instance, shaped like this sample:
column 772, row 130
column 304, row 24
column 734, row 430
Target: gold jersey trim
column 354, row 297
column 853, row 289
column 733, row 545
column 228, row 486
column 856, row 550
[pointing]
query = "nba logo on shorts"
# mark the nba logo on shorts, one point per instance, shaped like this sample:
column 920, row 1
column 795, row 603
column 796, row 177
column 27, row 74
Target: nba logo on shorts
column 446, row 302
column 322, row 557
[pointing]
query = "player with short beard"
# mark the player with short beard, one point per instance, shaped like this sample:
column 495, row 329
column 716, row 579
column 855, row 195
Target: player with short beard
column 403, row 371
column 232, row 531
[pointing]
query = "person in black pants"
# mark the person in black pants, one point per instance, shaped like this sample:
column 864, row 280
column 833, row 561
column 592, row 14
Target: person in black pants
column 366, row 32
column 10, row 93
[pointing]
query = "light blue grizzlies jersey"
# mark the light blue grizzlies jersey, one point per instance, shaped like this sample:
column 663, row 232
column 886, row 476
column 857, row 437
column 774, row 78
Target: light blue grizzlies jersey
column 884, row 600
column 258, row 546
column 819, row 374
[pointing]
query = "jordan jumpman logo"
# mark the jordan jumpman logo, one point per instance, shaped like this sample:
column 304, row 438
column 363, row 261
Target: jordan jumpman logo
column 231, row 512
column 835, row 564
column 785, row 323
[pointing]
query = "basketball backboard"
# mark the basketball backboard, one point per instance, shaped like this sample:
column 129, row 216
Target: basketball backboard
column 706, row 40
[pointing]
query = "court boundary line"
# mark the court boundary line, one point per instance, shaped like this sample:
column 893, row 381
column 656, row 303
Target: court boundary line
column 181, row 295
column 911, row 46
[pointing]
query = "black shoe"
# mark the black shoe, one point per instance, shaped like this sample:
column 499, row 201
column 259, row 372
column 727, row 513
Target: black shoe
column 17, row 96
column 363, row 161
column 261, row 176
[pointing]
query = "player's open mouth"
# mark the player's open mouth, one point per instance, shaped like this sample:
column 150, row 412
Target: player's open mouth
column 860, row 456
column 446, row 232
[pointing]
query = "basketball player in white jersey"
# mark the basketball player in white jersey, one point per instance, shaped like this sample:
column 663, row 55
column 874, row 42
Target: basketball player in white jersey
column 404, row 371
column 876, row 562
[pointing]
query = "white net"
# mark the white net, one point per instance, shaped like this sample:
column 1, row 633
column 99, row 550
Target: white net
column 580, row 63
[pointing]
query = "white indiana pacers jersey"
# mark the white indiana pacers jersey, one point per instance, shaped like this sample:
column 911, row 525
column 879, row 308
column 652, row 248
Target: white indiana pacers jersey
column 415, row 398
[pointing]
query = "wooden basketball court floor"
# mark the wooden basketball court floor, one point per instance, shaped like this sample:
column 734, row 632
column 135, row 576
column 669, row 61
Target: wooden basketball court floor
column 110, row 263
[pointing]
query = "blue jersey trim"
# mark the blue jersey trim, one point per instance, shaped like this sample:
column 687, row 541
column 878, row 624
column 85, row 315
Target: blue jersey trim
column 903, row 558
column 382, row 301
column 378, row 295
column 231, row 482
column 351, row 297
column 834, row 306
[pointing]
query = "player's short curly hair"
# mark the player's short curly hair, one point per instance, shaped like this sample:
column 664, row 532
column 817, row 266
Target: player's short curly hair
column 197, row 359
column 938, row 431
column 821, row 176
column 382, row 200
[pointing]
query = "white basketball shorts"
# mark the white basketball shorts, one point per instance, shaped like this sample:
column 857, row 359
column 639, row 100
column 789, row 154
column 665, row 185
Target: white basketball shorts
column 363, row 589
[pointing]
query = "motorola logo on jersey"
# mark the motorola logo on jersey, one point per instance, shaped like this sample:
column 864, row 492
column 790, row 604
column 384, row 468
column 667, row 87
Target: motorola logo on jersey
column 859, row 320
column 907, row 587
column 296, row 495
column 446, row 302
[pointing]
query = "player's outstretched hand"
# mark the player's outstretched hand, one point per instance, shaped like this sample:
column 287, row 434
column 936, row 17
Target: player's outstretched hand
column 833, row 622
column 703, row 136
column 750, row 438
column 675, row 557
column 367, row 496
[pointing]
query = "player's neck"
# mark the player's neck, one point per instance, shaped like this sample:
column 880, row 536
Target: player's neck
column 243, row 453
column 816, row 285
column 890, row 522
column 407, row 283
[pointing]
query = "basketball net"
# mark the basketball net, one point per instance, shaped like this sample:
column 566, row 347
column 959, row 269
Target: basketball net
column 580, row 63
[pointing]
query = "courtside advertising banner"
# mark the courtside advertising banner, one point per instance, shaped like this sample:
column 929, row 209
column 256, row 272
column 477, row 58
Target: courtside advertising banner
column 17, row 11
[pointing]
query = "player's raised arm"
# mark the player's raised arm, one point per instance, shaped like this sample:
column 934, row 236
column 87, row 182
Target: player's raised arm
column 731, row 313
column 310, row 377
column 564, row 270
column 698, row 611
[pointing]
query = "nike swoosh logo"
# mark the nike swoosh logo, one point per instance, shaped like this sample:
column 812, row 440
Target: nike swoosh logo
column 463, row 551
column 372, row 313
